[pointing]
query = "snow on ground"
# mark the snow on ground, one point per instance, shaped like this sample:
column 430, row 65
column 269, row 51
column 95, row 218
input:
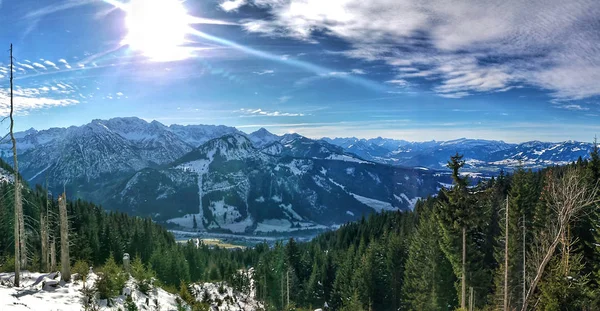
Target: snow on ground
column 230, row 301
column 67, row 297
column 200, row 167
column 340, row 157
column 284, row 225
column 290, row 211
column 411, row 202
column 239, row 227
column 187, row 220
column 375, row 204
column 278, row 225
column 5, row 176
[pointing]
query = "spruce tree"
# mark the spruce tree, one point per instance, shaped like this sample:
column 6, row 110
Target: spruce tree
column 456, row 214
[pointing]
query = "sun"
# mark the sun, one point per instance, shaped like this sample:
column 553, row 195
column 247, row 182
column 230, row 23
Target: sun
column 157, row 29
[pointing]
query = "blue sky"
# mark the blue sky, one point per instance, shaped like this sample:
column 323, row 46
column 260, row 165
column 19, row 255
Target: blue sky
column 406, row 69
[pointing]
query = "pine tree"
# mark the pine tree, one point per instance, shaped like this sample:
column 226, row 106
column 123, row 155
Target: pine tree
column 428, row 277
column 456, row 215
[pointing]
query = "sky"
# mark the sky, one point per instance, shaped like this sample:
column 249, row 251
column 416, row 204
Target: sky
column 509, row 70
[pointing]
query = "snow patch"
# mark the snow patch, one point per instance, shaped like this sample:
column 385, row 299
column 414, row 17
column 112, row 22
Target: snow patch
column 374, row 204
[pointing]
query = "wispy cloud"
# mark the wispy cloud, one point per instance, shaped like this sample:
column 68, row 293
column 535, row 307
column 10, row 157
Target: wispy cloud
column 263, row 113
column 284, row 99
column 464, row 48
column 264, row 72
column 574, row 107
column 65, row 5
column 28, row 99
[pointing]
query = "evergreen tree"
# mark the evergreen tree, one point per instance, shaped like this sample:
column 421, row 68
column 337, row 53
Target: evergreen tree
column 456, row 214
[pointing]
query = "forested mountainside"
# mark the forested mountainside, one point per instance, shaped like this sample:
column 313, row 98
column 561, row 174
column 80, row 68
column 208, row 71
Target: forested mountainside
column 228, row 184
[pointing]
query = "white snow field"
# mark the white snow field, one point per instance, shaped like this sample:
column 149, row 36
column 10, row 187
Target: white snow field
column 33, row 295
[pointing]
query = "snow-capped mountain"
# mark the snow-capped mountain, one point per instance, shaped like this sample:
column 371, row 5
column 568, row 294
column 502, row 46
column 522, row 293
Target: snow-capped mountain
column 229, row 184
column 262, row 137
column 86, row 159
column 257, row 182
column 480, row 155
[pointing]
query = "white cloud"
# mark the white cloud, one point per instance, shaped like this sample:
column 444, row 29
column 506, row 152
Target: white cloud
column 574, row 107
column 264, row 72
column 262, row 113
column 464, row 47
column 398, row 82
column 49, row 63
column 38, row 65
column 26, row 66
column 27, row 99
column 65, row 63
column 231, row 5
column 358, row 71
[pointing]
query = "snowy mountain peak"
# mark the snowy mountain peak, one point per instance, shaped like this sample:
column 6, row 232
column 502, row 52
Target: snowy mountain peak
column 262, row 137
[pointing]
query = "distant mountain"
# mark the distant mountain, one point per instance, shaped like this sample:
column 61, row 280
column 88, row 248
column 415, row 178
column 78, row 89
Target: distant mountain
column 229, row 184
column 236, row 182
column 481, row 155
column 87, row 159
column 262, row 137
column 226, row 179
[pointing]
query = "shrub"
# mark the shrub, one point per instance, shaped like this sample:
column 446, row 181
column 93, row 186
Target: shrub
column 81, row 268
column 112, row 280
column 143, row 275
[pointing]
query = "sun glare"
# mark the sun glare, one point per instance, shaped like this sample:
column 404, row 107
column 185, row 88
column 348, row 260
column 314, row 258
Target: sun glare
column 157, row 29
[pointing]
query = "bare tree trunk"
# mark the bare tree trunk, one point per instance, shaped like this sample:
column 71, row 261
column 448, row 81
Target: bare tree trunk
column 53, row 254
column 524, row 262
column 506, row 259
column 44, row 241
column 65, row 271
column 18, row 222
column 471, row 299
column 464, row 269
column 540, row 271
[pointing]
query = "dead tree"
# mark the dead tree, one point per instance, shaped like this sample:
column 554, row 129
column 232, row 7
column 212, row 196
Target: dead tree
column 44, row 232
column 65, row 271
column 506, row 258
column 20, row 248
column 567, row 197
column 53, row 254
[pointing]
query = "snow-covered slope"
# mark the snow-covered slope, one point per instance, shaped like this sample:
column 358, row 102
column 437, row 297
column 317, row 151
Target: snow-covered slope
column 34, row 294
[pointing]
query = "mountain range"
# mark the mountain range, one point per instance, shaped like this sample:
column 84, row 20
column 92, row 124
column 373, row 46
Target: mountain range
column 218, row 178
column 483, row 156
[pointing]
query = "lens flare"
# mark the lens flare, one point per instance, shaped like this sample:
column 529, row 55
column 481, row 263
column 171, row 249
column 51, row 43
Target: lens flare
column 157, row 29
